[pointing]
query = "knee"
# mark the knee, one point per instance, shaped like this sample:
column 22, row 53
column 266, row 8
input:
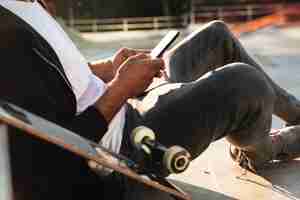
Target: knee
column 211, row 28
column 218, row 26
column 249, row 87
column 244, row 80
column 250, row 102
column 252, row 98
column 238, row 68
column 239, row 72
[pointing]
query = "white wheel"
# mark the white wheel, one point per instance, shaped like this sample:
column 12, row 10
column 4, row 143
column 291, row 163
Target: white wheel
column 176, row 159
column 140, row 133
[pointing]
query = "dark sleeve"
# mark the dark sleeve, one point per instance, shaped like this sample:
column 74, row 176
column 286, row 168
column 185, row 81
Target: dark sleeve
column 33, row 78
column 90, row 124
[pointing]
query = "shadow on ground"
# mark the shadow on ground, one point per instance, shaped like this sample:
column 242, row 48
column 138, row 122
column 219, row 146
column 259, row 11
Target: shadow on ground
column 199, row 193
column 285, row 178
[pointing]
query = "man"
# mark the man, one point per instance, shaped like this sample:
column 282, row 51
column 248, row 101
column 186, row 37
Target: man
column 216, row 90
column 39, row 55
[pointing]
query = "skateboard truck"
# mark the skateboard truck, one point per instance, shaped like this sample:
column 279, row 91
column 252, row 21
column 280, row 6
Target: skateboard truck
column 173, row 160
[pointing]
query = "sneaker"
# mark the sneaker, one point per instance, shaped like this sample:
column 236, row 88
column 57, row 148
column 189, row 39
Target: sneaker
column 284, row 146
column 246, row 159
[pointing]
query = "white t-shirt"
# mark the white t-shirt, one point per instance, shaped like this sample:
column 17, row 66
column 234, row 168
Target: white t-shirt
column 86, row 86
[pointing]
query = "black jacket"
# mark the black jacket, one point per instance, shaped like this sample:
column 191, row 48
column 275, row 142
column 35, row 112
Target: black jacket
column 32, row 77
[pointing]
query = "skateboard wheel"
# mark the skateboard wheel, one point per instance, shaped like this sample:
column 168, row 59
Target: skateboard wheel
column 176, row 159
column 139, row 134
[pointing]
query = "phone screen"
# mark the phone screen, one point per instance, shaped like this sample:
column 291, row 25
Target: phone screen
column 164, row 44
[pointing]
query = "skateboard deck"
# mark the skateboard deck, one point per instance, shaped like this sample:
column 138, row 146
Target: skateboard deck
column 47, row 131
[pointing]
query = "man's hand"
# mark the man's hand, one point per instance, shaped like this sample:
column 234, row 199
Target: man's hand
column 132, row 78
column 107, row 69
column 137, row 73
column 123, row 54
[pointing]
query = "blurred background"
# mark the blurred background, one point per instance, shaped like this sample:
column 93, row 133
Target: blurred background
column 99, row 27
column 269, row 30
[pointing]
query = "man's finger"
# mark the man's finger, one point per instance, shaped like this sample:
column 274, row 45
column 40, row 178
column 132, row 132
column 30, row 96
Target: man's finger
column 127, row 52
column 146, row 51
column 163, row 67
column 136, row 51
column 154, row 63
column 130, row 52
column 140, row 57
column 159, row 63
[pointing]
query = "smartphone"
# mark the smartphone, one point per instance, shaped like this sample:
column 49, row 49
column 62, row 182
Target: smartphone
column 164, row 44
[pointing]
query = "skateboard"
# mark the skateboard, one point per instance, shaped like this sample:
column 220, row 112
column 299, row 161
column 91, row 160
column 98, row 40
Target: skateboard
column 173, row 160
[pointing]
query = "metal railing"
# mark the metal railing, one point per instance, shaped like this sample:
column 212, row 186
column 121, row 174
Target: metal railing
column 199, row 14
column 232, row 13
column 127, row 24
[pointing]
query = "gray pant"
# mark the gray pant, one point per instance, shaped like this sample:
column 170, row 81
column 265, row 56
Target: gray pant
column 217, row 90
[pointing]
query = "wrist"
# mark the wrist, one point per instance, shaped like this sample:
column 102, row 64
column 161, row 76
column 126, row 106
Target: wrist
column 112, row 100
column 120, row 90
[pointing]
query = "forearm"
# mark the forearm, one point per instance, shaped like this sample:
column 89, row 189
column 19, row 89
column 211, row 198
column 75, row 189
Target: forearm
column 112, row 100
column 131, row 79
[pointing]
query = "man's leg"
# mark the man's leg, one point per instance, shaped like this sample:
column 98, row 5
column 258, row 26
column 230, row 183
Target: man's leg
column 212, row 47
column 235, row 99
